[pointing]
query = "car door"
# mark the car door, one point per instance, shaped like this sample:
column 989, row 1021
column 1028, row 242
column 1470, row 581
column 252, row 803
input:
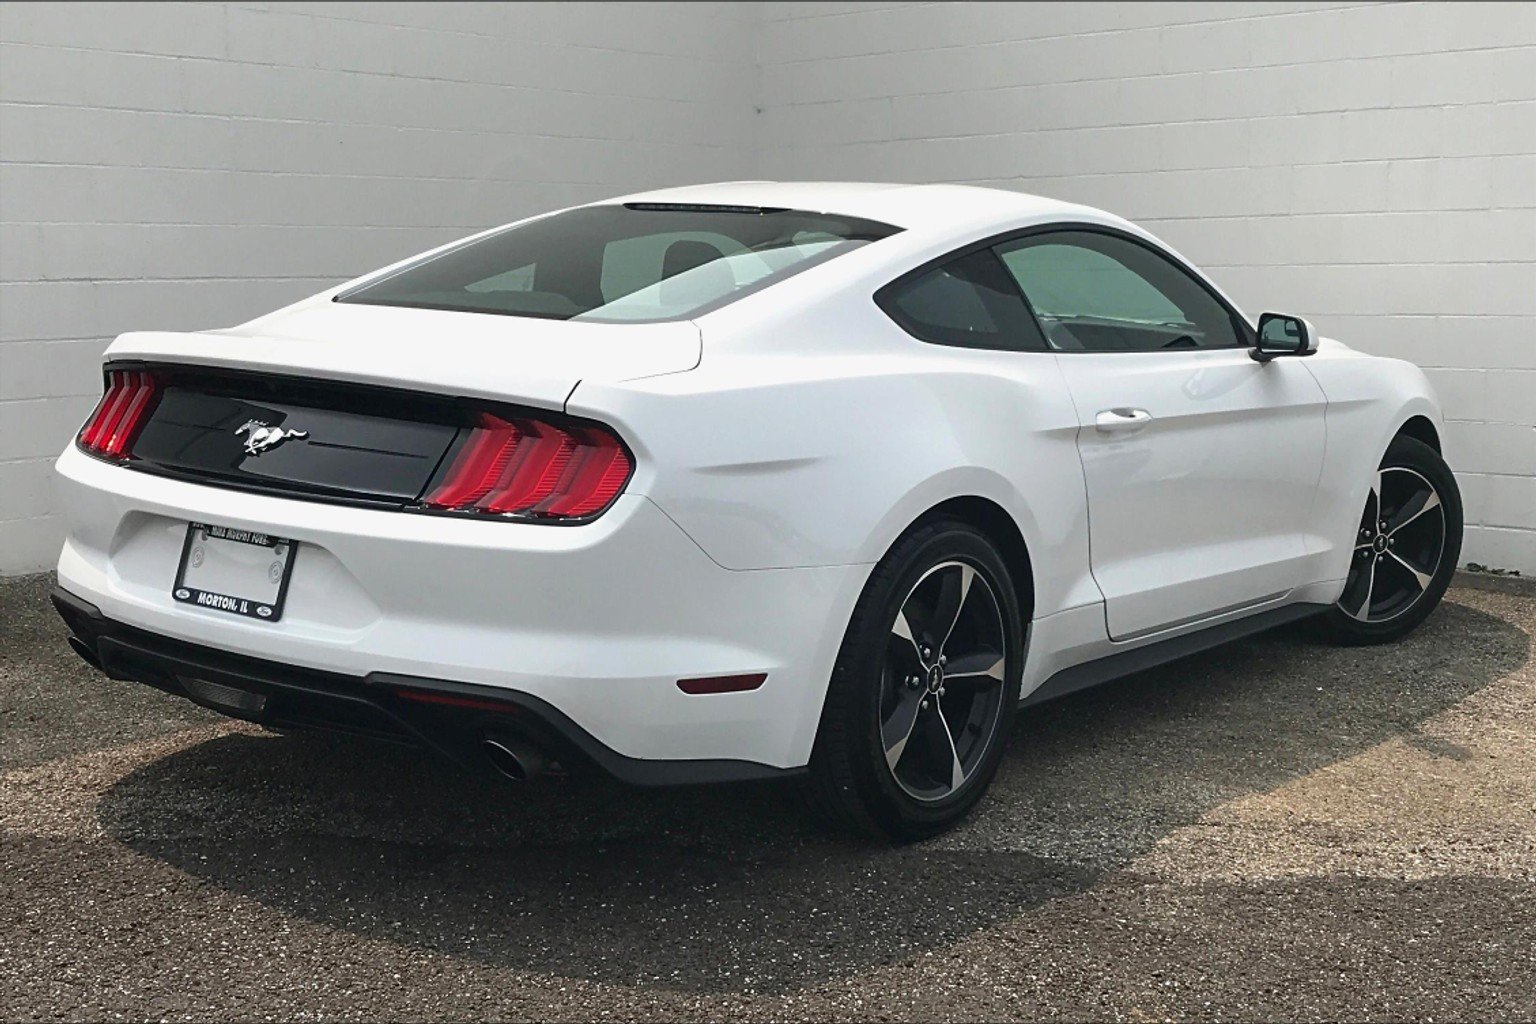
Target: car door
column 1201, row 463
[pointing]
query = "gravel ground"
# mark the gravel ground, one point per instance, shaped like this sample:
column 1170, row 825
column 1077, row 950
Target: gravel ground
column 1276, row 830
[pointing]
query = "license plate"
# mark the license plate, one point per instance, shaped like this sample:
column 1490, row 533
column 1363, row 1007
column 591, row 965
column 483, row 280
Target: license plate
column 241, row 572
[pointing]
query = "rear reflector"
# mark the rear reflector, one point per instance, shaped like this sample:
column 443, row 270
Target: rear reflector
column 532, row 469
column 722, row 684
column 454, row 700
column 130, row 397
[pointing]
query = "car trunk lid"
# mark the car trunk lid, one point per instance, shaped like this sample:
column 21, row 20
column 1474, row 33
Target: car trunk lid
column 506, row 358
column 360, row 403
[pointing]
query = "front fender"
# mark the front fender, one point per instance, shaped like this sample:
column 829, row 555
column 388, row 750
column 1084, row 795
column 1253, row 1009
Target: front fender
column 1369, row 400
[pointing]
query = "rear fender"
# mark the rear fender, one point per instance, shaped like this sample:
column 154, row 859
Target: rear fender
column 782, row 463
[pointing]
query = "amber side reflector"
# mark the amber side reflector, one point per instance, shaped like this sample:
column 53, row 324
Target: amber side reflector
column 722, row 684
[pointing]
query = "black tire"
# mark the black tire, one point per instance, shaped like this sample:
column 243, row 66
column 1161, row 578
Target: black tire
column 1409, row 464
column 851, row 781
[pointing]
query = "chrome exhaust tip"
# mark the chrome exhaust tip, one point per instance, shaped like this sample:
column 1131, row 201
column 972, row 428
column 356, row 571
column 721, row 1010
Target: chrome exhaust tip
column 514, row 759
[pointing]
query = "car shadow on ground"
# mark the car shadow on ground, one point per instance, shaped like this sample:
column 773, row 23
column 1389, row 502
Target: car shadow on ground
column 732, row 888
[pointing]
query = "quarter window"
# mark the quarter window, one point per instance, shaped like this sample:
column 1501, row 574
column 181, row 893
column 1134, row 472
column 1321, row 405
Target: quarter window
column 1095, row 292
column 969, row 302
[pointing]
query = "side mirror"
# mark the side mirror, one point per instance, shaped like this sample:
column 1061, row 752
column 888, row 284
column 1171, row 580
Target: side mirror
column 1281, row 335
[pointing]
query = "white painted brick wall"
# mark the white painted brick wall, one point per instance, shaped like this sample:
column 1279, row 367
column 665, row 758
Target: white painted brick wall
column 1371, row 167
column 190, row 166
column 179, row 166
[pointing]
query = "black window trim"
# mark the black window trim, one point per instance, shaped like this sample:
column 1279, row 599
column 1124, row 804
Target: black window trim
column 884, row 294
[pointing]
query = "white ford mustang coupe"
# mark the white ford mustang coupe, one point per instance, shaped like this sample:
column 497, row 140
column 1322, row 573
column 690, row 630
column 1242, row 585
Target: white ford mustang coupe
column 743, row 481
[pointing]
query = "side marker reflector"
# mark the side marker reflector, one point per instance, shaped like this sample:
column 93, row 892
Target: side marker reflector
column 722, row 684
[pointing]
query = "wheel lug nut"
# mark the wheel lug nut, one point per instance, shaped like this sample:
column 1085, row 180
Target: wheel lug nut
column 943, row 660
column 924, row 706
column 941, row 691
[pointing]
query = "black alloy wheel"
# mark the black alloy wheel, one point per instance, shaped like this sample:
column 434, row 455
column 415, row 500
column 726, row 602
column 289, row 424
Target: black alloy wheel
column 920, row 703
column 1405, row 548
column 942, row 688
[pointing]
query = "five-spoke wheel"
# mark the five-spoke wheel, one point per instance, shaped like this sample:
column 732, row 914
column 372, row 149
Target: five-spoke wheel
column 943, row 683
column 1405, row 548
column 916, row 715
column 1398, row 548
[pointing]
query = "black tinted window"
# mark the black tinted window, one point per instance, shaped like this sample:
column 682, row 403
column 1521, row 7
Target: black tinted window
column 633, row 263
column 1100, row 293
column 968, row 302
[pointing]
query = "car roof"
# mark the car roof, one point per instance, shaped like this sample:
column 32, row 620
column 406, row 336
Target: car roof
column 917, row 207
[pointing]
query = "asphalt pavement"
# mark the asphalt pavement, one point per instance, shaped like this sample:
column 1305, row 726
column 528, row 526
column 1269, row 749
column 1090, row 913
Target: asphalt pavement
column 1279, row 829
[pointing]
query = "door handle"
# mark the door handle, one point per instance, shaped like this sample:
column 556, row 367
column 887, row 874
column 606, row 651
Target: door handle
column 1121, row 420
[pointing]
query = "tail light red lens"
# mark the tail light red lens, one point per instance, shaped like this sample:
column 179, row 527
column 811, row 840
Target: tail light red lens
column 533, row 469
column 120, row 415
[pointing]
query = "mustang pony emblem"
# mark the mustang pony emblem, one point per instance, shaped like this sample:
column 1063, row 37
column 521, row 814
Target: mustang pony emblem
column 265, row 437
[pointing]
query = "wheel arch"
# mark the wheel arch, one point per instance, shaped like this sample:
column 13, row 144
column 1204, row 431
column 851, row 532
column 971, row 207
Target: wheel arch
column 1420, row 428
column 1002, row 529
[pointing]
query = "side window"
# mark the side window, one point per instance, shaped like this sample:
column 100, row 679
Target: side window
column 1099, row 293
column 968, row 302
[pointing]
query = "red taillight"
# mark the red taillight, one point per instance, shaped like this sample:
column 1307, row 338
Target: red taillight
column 532, row 468
column 120, row 415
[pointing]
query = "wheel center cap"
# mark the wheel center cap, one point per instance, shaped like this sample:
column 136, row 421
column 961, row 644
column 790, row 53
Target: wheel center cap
column 1380, row 543
column 935, row 679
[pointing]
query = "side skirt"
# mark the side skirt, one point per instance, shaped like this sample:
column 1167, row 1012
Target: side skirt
column 1114, row 666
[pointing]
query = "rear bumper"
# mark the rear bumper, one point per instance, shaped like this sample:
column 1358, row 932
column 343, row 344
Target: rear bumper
column 596, row 623
column 453, row 719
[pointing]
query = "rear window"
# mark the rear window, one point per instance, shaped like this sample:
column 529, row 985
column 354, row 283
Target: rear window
column 638, row 262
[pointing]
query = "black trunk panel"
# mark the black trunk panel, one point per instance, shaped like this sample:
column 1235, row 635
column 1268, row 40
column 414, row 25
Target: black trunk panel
column 363, row 444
